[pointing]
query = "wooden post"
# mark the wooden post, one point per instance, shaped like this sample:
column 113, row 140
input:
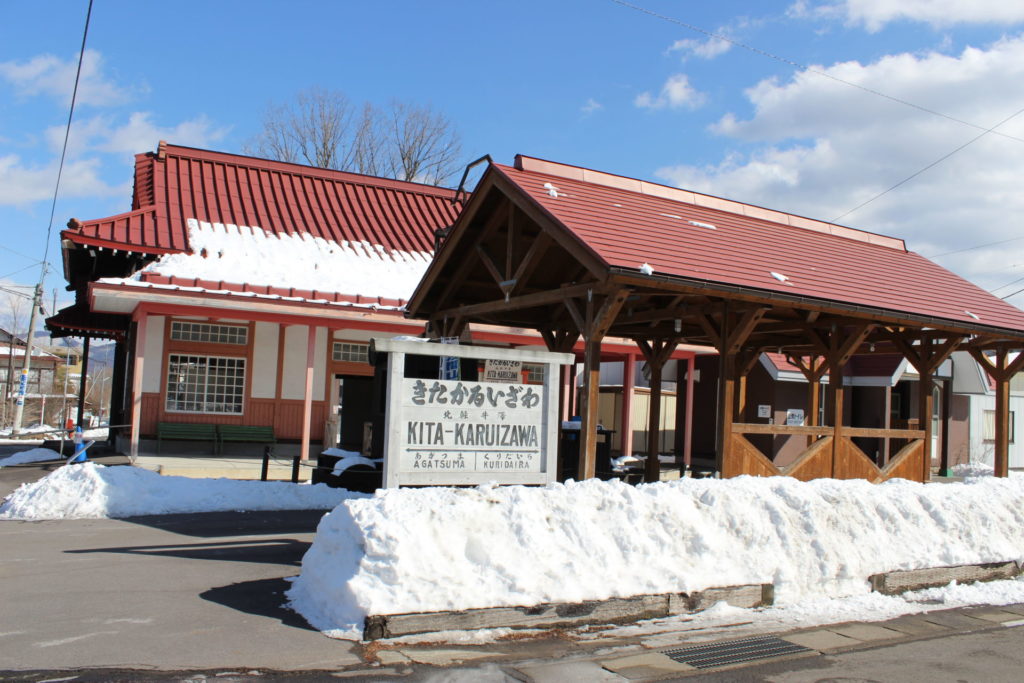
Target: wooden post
column 1002, row 444
column 652, row 468
column 947, row 400
column 925, row 408
column 307, row 400
column 691, row 368
column 926, row 358
column 724, row 461
column 683, row 402
column 835, row 392
column 83, row 380
column 626, row 416
column 588, row 409
column 887, row 421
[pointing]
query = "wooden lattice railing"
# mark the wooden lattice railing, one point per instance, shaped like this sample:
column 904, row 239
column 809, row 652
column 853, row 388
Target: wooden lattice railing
column 827, row 456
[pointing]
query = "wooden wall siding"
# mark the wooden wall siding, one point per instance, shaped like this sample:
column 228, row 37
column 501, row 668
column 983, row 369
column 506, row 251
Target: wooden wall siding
column 284, row 416
column 150, row 413
column 814, row 463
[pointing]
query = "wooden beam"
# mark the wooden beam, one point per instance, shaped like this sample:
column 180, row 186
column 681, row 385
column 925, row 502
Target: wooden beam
column 530, row 261
column 520, row 302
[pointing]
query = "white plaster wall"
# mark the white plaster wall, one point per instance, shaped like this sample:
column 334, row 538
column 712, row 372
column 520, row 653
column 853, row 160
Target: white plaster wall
column 264, row 360
column 153, row 351
column 984, row 451
column 293, row 383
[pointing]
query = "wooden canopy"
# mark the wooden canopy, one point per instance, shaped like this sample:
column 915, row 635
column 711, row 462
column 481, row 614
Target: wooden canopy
column 573, row 252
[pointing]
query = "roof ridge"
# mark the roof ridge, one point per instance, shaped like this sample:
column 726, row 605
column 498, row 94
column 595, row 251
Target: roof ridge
column 536, row 165
column 166, row 149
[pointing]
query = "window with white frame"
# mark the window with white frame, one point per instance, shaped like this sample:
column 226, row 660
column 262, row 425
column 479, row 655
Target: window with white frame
column 989, row 428
column 185, row 330
column 351, row 353
column 205, row 384
column 534, row 373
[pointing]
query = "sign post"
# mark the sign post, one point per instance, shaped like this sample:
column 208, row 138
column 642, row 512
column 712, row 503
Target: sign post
column 448, row 432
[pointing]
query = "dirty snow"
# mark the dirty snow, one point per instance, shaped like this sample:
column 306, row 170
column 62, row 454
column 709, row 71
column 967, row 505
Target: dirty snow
column 94, row 491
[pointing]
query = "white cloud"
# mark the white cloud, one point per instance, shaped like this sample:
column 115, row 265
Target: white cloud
column 50, row 75
column 22, row 184
column 816, row 147
column 705, row 49
column 873, row 15
column 591, row 106
column 139, row 134
column 677, row 93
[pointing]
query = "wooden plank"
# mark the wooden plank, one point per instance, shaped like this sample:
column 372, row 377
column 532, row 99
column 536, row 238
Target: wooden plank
column 753, row 595
column 884, row 433
column 553, row 615
column 852, row 463
column 759, row 428
column 905, row 464
column 747, row 459
column 813, row 463
column 896, row 582
column 564, row 615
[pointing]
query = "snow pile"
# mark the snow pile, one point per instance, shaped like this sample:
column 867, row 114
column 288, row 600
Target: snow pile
column 34, row 455
column 94, row 491
column 418, row 550
column 973, row 469
column 249, row 255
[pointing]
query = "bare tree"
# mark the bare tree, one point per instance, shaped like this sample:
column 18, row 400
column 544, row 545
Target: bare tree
column 322, row 128
column 424, row 145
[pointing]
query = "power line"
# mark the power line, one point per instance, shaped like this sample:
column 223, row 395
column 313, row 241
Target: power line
column 977, row 246
column 931, row 165
column 19, row 404
column 1006, row 285
column 804, row 67
column 67, row 134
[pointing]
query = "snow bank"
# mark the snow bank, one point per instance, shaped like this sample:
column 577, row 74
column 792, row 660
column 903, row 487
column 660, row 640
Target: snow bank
column 94, row 491
column 33, row 455
column 415, row 550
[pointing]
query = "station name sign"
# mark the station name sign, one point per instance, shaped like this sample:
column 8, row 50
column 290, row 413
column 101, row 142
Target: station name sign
column 452, row 432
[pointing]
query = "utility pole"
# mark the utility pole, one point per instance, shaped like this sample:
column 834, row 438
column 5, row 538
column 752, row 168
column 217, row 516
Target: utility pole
column 19, row 403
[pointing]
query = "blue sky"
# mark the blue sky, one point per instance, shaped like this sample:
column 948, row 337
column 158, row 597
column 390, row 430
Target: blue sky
column 588, row 82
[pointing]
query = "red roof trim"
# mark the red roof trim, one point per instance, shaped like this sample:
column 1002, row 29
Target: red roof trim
column 268, row 290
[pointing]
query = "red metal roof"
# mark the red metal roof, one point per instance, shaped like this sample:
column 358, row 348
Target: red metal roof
column 179, row 183
column 628, row 223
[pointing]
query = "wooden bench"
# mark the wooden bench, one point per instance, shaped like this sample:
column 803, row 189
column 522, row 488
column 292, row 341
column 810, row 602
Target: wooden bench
column 244, row 434
column 185, row 431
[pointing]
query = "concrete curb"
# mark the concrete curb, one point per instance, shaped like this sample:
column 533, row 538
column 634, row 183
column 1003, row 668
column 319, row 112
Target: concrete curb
column 561, row 615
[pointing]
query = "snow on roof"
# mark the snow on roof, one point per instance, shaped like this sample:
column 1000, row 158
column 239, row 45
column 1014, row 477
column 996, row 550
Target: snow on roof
column 250, row 256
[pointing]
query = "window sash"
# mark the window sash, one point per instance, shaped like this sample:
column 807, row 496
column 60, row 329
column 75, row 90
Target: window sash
column 205, row 384
column 349, row 352
column 210, row 333
column 989, row 426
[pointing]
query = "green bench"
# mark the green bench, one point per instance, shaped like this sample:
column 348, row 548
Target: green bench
column 184, row 431
column 244, row 434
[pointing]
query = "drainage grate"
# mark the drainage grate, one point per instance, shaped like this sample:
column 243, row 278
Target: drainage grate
column 734, row 652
